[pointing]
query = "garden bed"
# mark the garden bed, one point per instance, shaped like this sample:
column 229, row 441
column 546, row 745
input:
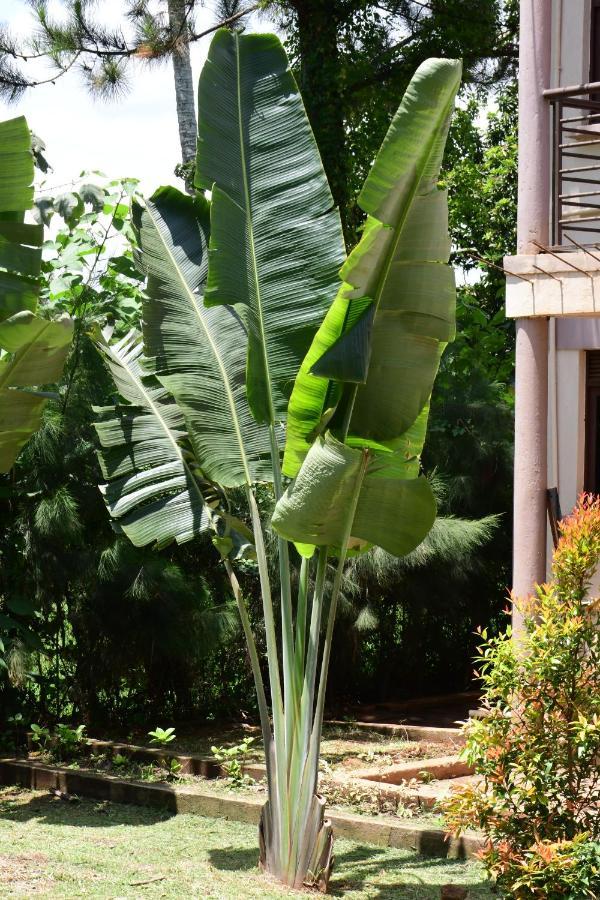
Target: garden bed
column 362, row 772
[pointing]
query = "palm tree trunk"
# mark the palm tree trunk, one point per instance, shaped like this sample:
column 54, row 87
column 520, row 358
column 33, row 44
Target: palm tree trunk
column 184, row 82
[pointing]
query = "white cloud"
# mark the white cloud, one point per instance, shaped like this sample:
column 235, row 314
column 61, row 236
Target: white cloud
column 135, row 135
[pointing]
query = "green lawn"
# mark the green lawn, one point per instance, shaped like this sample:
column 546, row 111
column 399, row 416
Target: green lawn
column 50, row 848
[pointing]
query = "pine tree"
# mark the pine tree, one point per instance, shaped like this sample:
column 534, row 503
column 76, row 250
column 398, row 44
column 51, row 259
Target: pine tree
column 103, row 53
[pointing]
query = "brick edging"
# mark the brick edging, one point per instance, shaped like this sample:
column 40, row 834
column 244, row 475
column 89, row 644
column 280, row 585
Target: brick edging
column 363, row 829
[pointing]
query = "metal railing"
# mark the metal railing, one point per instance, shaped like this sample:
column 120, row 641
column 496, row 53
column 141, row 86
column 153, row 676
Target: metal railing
column 576, row 136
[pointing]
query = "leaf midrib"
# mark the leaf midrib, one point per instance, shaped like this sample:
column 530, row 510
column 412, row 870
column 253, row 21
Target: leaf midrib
column 250, row 231
column 399, row 227
column 124, row 364
column 230, row 398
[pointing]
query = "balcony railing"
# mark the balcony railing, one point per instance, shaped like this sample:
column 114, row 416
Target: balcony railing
column 576, row 164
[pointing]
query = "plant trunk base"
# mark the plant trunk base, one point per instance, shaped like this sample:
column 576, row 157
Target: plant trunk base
column 315, row 849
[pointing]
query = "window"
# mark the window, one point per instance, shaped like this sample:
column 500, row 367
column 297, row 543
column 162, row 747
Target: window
column 595, row 45
column 592, row 422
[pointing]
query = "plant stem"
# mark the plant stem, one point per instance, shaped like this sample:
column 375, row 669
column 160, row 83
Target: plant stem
column 287, row 632
column 300, row 639
column 263, row 709
column 335, row 592
column 298, row 766
column 279, row 799
column 348, row 412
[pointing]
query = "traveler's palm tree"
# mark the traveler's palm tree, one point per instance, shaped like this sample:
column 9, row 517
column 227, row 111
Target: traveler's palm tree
column 256, row 364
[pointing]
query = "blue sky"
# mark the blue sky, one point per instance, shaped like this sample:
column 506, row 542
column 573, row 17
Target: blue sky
column 133, row 136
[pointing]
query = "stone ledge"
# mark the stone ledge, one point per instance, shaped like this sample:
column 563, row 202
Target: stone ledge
column 561, row 288
column 438, row 768
column 430, row 733
column 363, row 829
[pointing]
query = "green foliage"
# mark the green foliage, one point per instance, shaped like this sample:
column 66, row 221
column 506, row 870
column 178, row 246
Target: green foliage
column 39, row 735
column 557, row 870
column 356, row 57
column 67, row 741
column 162, row 736
column 537, row 746
column 481, row 176
column 233, row 760
column 62, row 742
column 88, row 265
column 69, row 590
column 32, row 349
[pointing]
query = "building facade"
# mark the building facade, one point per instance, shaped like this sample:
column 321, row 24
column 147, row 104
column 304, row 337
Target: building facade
column 553, row 289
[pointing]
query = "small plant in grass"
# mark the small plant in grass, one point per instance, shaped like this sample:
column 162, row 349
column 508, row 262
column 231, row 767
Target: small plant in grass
column 162, row 736
column 232, row 759
column 119, row 760
column 538, row 747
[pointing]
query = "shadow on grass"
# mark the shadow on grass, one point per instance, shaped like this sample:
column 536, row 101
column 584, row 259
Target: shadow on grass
column 85, row 813
column 372, row 869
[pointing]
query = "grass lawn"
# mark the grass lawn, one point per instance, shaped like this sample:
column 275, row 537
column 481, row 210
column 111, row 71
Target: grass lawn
column 49, row 848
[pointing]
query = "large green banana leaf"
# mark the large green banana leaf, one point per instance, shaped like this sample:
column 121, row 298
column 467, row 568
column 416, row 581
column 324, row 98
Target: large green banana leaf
column 151, row 493
column 39, row 361
column 276, row 242
column 390, row 506
column 32, row 350
column 395, row 311
column 197, row 353
column 20, row 243
column 377, row 353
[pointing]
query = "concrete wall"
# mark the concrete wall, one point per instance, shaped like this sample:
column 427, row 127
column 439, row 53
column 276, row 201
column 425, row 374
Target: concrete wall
column 566, row 436
column 570, row 366
column 570, row 42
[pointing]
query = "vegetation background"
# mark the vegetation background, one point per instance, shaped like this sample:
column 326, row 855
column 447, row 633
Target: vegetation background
column 98, row 631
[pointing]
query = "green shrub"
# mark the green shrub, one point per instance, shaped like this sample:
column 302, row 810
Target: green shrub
column 538, row 746
column 554, row 871
column 233, row 759
column 162, row 736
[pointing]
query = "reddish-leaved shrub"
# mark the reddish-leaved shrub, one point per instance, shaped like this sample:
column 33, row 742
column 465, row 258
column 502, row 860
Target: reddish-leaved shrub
column 537, row 747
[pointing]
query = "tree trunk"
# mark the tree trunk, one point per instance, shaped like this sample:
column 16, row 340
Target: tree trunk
column 320, row 84
column 184, row 82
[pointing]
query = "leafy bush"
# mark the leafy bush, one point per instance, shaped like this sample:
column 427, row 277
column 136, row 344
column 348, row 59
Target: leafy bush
column 39, row 735
column 162, row 736
column 538, row 746
column 68, row 740
column 62, row 743
column 554, row 870
column 233, row 759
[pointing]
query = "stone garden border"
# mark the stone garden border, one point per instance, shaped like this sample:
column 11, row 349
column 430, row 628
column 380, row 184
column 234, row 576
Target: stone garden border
column 363, row 829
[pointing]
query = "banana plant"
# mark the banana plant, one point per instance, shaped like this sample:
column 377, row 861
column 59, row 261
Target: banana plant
column 258, row 363
column 32, row 349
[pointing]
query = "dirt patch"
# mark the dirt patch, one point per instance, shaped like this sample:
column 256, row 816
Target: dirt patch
column 25, row 873
column 347, row 755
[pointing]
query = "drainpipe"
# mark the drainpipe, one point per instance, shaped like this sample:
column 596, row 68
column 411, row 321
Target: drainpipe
column 531, row 375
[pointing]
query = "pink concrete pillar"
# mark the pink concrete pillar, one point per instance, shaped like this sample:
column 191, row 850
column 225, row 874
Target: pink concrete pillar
column 531, row 377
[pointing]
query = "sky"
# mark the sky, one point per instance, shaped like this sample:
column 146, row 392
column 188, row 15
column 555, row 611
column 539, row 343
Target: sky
column 133, row 136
